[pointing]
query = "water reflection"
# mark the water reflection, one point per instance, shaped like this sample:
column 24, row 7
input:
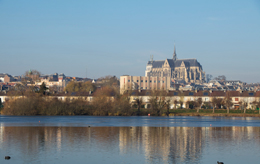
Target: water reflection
column 127, row 144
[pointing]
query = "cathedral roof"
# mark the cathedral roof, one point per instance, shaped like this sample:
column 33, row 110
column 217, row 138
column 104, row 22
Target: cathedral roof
column 157, row 63
column 187, row 62
column 171, row 62
column 175, row 63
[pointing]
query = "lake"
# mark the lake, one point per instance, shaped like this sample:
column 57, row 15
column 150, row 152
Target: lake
column 90, row 139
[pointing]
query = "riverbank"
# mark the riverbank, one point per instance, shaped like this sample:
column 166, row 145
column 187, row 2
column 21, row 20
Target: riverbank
column 195, row 114
column 41, row 106
column 215, row 114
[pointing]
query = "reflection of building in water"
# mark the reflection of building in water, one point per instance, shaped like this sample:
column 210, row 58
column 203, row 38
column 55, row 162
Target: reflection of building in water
column 2, row 128
column 157, row 144
column 161, row 144
column 186, row 142
column 58, row 139
column 240, row 134
column 128, row 136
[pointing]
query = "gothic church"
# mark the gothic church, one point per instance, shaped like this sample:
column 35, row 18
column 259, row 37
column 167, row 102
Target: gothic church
column 188, row 70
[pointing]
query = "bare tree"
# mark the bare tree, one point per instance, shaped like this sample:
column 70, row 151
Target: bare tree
column 214, row 104
column 199, row 103
column 167, row 104
column 227, row 101
column 208, row 77
column 139, row 102
column 157, row 101
column 255, row 104
column 245, row 106
column 258, row 104
column 240, row 105
column 33, row 75
column 221, row 78
column 175, row 102
column 188, row 104
column 181, row 103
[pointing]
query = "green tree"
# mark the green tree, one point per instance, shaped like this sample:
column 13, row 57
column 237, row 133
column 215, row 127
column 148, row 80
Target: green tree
column 43, row 88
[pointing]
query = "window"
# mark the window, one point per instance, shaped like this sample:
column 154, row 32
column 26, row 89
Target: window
column 251, row 94
column 128, row 80
column 205, row 94
column 191, row 93
column 236, row 99
column 175, row 93
column 141, row 81
column 154, row 81
column 162, row 81
column 159, row 81
column 141, row 87
column 150, row 81
column 137, row 80
column 146, row 81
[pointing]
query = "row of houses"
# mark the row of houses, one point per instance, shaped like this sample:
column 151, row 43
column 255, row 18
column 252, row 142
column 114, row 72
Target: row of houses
column 167, row 83
column 247, row 99
column 179, row 99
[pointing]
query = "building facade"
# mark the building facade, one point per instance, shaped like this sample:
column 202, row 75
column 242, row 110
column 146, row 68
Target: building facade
column 144, row 83
column 240, row 100
column 188, row 70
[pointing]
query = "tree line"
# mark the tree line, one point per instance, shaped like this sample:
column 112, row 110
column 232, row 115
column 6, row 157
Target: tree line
column 107, row 101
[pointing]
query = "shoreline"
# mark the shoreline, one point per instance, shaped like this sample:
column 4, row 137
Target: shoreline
column 216, row 114
column 164, row 115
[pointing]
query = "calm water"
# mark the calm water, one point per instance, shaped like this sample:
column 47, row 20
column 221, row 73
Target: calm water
column 68, row 139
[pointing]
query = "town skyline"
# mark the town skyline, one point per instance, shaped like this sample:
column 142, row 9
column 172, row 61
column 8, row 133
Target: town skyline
column 99, row 38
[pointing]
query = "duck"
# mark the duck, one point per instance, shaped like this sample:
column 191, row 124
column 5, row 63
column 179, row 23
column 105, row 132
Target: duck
column 7, row 157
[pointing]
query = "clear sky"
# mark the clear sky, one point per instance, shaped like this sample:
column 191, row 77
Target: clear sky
column 95, row 38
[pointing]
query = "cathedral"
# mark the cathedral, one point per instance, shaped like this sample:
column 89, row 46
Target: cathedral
column 188, row 70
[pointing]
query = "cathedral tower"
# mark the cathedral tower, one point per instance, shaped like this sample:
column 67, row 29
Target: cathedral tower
column 174, row 54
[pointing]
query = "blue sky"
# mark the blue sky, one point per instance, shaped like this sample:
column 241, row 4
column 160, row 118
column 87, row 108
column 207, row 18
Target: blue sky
column 95, row 38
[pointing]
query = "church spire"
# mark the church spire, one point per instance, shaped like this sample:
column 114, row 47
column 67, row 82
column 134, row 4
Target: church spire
column 174, row 53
